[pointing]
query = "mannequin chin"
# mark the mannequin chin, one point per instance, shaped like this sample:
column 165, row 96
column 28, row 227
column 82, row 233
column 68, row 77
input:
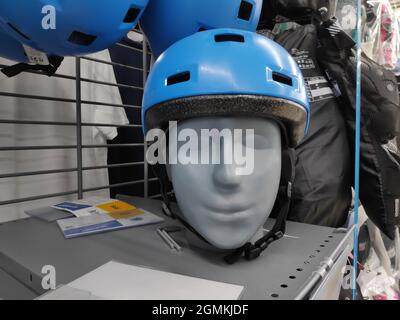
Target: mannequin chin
column 196, row 242
column 226, row 208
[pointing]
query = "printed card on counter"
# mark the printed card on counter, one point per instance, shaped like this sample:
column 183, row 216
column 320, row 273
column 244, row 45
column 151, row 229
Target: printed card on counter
column 96, row 215
column 83, row 208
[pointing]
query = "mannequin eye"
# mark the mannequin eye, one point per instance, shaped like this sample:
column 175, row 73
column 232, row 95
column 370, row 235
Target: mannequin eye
column 261, row 142
column 258, row 141
column 262, row 138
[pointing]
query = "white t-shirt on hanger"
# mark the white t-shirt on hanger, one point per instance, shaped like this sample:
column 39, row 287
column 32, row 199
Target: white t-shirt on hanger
column 29, row 135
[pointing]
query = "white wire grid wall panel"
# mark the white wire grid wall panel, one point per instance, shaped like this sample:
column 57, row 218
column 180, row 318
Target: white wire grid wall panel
column 76, row 126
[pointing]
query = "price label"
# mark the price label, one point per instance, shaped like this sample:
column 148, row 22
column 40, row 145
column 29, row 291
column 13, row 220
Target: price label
column 36, row 56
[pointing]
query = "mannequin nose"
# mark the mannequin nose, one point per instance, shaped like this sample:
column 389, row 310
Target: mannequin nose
column 225, row 176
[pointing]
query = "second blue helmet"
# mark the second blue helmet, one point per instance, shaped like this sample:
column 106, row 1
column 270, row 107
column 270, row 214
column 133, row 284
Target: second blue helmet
column 70, row 27
column 166, row 21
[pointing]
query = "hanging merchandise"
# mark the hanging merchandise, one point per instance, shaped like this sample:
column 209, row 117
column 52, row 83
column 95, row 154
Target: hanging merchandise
column 379, row 277
column 166, row 21
column 380, row 123
column 346, row 14
column 396, row 69
column 28, row 58
column 322, row 188
column 381, row 34
column 303, row 10
column 294, row 11
column 364, row 245
column 256, row 77
column 70, row 27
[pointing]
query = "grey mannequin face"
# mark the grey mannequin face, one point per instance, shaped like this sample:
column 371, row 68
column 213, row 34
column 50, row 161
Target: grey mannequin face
column 228, row 209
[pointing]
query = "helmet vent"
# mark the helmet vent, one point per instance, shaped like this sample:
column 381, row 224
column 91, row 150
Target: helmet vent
column 229, row 38
column 131, row 15
column 81, row 38
column 201, row 29
column 281, row 78
column 178, row 78
column 19, row 32
column 245, row 10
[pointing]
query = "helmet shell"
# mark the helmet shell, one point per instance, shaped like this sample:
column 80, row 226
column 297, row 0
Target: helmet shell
column 167, row 21
column 228, row 62
column 11, row 49
column 81, row 27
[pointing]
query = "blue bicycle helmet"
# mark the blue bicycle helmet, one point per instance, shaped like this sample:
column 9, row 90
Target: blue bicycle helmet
column 12, row 49
column 227, row 72
column 166, row 21
column 82, row 27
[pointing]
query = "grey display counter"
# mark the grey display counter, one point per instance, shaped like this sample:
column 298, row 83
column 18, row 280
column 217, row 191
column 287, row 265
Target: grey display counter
column 295, row 267
column 12, row 289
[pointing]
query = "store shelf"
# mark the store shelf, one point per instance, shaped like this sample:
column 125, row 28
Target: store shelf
column 12, row 289
column 285, row 269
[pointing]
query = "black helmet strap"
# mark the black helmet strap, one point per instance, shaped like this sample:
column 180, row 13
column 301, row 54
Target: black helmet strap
column 48, row 70
column 282, row 205
column 250, row 251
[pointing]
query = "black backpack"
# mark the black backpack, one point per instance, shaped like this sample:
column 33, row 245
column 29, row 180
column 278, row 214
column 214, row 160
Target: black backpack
column 380, row 123
column 322, row 187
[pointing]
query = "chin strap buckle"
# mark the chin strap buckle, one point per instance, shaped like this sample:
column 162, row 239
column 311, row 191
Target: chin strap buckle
column 278, row 235
column 254, row 251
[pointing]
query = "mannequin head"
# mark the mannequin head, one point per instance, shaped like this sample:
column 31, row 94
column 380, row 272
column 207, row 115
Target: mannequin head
column 227, row 208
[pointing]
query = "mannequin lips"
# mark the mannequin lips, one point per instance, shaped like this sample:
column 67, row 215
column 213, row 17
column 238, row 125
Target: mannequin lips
column 225, row 217
column 227, row 206
column 231, row 212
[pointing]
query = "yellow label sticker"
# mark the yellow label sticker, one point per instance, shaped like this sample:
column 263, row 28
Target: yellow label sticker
column 114, row 206
column 120, row 210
